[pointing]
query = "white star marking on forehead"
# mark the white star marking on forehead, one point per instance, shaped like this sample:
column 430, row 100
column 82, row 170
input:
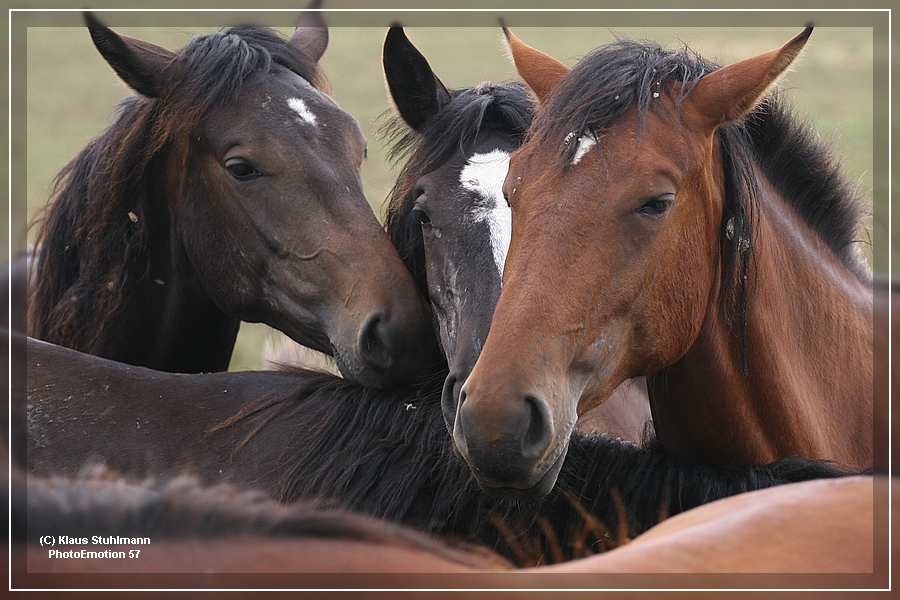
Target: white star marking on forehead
column 585, row 143
column 299, row 106
column 484, row 174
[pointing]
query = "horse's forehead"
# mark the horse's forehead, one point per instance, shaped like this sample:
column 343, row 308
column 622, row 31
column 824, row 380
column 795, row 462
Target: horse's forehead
column 623, row 148
column 308, row 104
column 484, row 175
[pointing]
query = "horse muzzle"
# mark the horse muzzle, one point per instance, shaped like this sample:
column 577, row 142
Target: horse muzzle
column 513, row 448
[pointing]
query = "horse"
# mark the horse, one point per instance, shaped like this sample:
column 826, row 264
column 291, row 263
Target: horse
column 303, row 436
column 227, row 189
column 670, row 220
column 150, row 518
column 446, row 216
column 219, row 529
column 886, row 332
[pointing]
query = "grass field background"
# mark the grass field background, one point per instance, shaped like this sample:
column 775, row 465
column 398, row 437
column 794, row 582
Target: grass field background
column 71, row 92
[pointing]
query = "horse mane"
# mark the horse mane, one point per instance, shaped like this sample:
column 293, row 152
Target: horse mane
column 93, row 236
column 810, row 175
column 102, row 502
column 625, row 73
column 389, row 455
column 452, row 130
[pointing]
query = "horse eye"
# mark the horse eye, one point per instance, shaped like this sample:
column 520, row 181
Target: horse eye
column 241, row 170
column 656, row 206
column 421, row 216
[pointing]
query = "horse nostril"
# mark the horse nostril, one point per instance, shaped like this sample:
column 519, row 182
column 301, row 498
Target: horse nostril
column 538, row 435
column 374, row 342
column 451, row 398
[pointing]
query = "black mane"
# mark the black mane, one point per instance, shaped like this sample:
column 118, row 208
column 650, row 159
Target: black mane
column 506, row 107
column 93, row 236
column 389, row 455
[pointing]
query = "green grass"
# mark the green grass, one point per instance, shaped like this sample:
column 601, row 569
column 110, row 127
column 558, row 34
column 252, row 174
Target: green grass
column 71, row 91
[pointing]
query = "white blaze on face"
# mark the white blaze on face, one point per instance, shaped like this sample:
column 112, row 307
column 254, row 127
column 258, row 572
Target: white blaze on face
column 299, row 106
column 484, row 174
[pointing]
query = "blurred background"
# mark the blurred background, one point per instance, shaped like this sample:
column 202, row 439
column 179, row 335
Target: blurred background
column 72, row 92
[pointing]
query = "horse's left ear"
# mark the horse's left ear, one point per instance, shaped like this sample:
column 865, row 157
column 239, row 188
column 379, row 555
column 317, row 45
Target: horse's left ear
column 539, row 71
column 140, row 64
column 731, row 92
column 416, row 91
column 311, row 33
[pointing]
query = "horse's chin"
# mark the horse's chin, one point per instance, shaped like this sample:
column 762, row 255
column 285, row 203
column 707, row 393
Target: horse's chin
column 525, row 490
column 354, row 370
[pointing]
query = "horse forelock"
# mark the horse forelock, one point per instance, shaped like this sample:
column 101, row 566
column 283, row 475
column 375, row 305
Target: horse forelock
column 212, row 69
column 610, row 81
column 453, row 130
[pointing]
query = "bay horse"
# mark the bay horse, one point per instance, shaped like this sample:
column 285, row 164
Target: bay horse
column 670, row 220
column 306, row 436
column 203, row 529
column 446, row 214
column 228, row 189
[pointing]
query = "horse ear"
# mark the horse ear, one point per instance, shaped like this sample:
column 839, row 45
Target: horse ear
column 311, row 33
column 140, row 64
column 540, row 72
column 731, row 92
column 416, row 90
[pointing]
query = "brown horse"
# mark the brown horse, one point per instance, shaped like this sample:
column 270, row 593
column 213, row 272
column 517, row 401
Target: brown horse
column 447, row 216
column 811, row 527
column 886, row 292
column 228, row 189
column 670, row 220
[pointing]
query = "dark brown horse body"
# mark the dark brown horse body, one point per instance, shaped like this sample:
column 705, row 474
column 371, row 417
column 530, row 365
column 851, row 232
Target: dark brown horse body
column 228, row 189
column 659, row 232
column 309, row 436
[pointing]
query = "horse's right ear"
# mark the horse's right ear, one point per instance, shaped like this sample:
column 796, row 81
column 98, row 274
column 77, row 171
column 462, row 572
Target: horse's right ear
column 539, row 71
column 140, row 64
column 311, row 33
column 733, row 91
column 416, row 90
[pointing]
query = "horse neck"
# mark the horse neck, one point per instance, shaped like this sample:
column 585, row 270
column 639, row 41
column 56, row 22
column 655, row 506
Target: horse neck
column 168, row 322
column 807, row 386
